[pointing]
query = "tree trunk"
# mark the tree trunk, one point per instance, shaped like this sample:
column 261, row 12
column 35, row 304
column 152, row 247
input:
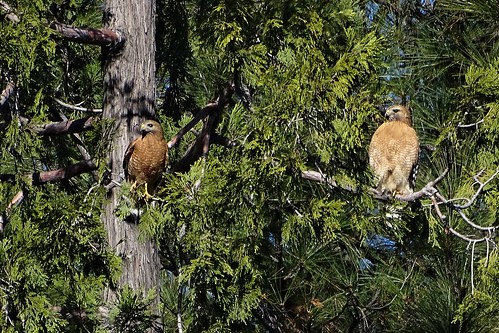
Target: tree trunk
column 129, row 98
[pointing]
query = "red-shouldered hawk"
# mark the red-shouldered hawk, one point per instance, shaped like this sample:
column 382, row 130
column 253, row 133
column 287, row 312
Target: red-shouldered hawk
column 394, row 152
column 146, row 157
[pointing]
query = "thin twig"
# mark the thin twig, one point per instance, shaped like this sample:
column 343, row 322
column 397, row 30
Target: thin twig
column 77, row 108
column 479, row 190
column 470, row 125
column 81, row 147
column 471, row 267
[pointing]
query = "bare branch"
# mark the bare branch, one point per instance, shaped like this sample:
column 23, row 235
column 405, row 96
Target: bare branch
column 475, row 125
column 9, row 89
column 81, row 147
column 16, row 200
column 70, row 171
column 77, row 108
column 102, row 37
column 211, row 107
column 65, row 127
column 199, row 116
column 38, row 178
column 466, row 238
column 471, row 223
column 319, row 177
column 200, row 146
column 447, row 228
column 437, row 199
column 9, row 13
column 427, row 191
column 441, row 216
column 479, row 190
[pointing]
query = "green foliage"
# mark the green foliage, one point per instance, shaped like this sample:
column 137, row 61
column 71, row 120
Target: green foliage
column 243, row 230
column 132, row 313
column 52, row 250
column 247, row 243
column 482, row 302
column 53, row 255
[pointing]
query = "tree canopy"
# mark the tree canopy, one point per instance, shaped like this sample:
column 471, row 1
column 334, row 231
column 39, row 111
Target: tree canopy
column 266, row 219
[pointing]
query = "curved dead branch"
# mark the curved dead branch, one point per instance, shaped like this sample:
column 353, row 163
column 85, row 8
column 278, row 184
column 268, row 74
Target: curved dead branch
column 76, row 107
column 211, row 115
column 483, row 234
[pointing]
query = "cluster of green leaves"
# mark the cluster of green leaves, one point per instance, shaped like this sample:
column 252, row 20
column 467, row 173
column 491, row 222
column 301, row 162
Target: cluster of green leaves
column 133, row 313
column 53, row 256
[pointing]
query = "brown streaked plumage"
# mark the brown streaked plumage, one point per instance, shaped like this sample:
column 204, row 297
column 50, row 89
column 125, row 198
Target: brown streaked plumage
column 146, row 157
column 394, row 152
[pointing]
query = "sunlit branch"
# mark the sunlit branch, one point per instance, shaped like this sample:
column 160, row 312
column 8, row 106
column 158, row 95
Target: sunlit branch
column 9, row 13
column 475, row 125
column 438, row 199
column 16, row 200
column 65, row 127
column 478, row 191
column 38, row 178
column 7, row 92
column 76, row 107
column 102, row 37
column 70, row 171
column 427, row 191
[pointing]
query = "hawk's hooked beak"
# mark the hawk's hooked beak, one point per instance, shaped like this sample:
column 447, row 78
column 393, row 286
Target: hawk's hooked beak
column 143, row 129
column 391, row 114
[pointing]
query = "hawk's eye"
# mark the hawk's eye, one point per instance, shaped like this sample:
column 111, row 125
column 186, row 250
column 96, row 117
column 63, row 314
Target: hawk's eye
column 150, row 125
column 396, row 110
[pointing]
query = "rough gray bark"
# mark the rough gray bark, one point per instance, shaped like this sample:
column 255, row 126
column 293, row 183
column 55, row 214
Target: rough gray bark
column 129, row 84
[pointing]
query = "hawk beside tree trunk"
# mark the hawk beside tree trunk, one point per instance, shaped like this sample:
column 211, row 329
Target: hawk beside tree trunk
column 129, row 99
